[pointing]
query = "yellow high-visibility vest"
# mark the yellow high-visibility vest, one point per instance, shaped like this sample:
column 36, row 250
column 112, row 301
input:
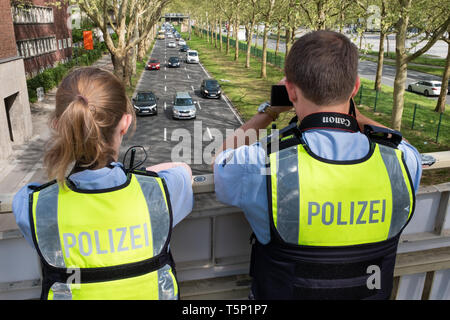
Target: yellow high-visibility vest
column 316, row 202
column 105, row 244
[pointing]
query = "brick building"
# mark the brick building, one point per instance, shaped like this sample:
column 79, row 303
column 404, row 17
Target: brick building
column 42, row 36
column 15, row 115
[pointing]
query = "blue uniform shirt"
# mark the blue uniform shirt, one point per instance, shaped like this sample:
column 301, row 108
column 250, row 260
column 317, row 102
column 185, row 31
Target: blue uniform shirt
column 177, row 179
column 239, row 180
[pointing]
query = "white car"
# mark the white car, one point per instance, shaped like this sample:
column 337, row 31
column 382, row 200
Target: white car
column 428, row 88
column 192, row 56
column 181, row 42
column 172, row 44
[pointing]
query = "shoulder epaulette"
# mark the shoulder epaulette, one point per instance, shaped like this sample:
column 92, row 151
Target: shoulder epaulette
column 384, row 136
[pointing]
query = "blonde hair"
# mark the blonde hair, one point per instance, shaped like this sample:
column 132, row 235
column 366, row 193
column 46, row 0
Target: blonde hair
column 90, row 102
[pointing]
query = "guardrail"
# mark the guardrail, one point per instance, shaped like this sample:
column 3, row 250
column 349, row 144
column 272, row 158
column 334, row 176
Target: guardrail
column 212, row 244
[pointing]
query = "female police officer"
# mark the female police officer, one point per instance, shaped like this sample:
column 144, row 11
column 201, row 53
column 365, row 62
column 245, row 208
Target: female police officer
column 102, row 232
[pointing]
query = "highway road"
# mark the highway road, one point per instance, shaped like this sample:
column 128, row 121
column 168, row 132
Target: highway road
column 190, row 141
column 367, row 69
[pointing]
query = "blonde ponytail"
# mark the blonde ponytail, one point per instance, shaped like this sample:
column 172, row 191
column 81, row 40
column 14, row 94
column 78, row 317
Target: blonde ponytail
column 89, row 105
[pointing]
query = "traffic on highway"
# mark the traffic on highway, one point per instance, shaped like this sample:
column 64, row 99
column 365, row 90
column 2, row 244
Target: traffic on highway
column 183, row 91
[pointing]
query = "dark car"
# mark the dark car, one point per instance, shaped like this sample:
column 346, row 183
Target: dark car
column 210, row 88
column 153, row 64
column 184, row 48
column 144, row 103
column 174, row 62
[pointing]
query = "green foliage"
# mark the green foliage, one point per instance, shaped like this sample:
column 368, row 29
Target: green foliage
column 52, row 76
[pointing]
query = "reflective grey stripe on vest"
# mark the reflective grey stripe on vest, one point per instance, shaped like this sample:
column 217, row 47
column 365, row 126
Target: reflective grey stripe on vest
column 160, row 221
column 159, row 212
column 165, row 284
column 46, row 223
column 400, row 194
column 61, row 291
column 288, row 197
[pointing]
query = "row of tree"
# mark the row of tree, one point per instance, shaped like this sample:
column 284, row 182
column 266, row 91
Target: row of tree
column 429, row 19
column 134, row 23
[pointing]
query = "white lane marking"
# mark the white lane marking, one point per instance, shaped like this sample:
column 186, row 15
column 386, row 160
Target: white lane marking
column 192, row 88
column 165, row 76
column 232, row 109
column 165, row 105
column 198, row 103
column 206, row 72
column 188, row 77
column 165, row 134
column 209, row 133
column 165, row 88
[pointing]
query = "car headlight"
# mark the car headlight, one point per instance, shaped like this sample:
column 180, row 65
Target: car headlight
column 206, row 91
column 218, row 92
column 137, row 108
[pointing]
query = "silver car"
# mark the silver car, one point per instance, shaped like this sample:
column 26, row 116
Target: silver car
column 183, row 106
column 428, row 88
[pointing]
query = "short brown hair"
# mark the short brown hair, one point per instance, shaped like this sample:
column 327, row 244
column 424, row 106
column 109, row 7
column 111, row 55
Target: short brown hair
column 324, row 65
column 90, row 102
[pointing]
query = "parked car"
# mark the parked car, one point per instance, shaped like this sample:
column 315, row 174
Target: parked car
column 183, row 106
column 428, row 88
column 144, row 103
column 172, row 44
column 192, row 56
column 181, row 42
column 210, row 88
column 174, row 62
column 184, row 48
column 153, row 64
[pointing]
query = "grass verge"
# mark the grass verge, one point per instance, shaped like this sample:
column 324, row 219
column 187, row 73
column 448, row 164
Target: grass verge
column 247, row 90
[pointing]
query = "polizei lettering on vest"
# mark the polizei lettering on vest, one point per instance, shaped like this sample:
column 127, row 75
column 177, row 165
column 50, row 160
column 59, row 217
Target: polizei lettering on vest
column 87, row 242
column 360, row 212
column 337, row 120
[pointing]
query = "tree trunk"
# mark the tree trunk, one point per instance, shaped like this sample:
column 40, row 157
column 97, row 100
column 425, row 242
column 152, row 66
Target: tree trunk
column 264, row 53
column 228, row 38
column 118, row 64
column 215, row 33
column 220, row 34
column 277, row 48
column 387, row 45
column 236, row 37
column 401, row 68
column 128, row 68
column 380, row 62
column 249, row 44
column 440, row 106
column 288, row 41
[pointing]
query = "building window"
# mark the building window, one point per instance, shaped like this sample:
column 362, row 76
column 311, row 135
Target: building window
column 32, row 14
column 65, row 43
column 69, row 42
column 59, row 44
column 34, row 47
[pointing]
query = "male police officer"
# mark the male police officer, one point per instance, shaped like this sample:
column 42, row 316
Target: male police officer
column 339, row 191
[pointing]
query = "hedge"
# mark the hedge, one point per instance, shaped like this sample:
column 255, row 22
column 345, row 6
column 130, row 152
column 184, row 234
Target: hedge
column 52, row 76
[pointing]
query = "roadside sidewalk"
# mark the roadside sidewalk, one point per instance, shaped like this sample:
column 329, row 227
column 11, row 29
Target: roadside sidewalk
column 25, row 164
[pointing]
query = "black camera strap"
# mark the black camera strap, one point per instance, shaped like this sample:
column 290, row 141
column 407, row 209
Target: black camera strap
column 329, row 120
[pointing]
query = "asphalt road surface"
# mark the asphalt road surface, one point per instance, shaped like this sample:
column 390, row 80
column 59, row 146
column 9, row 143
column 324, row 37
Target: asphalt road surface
column 166, row 139
column 368, row 69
